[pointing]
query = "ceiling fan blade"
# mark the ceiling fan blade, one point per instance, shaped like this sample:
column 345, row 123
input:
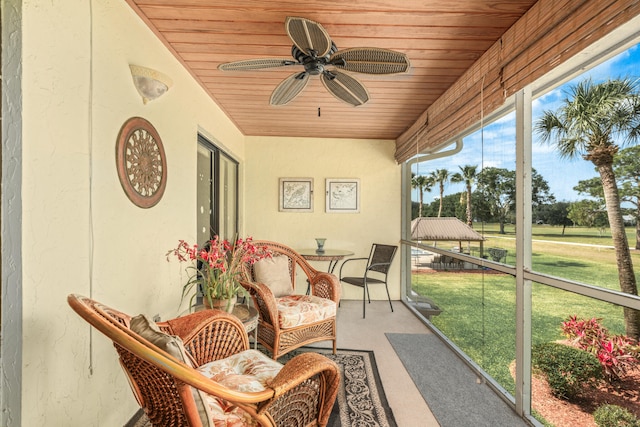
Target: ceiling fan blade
column 345, row 88
column 370, row 60
column 308, row 36
column 256, row 64
column 289, row 88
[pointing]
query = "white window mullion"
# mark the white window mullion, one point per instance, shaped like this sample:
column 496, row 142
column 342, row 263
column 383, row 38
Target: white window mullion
column 523, row 250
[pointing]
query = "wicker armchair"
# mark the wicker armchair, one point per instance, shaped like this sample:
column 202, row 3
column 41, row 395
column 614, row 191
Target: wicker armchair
column 302, row 393
column 276, row 331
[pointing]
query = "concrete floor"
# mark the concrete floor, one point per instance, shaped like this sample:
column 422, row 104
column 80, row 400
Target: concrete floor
column 354, row 332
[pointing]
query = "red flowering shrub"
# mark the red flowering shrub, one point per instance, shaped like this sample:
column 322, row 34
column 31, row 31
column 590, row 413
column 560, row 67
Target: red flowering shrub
column 616, row 353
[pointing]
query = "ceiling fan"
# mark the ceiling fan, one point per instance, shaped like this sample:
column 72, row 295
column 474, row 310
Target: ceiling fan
column 313, row 49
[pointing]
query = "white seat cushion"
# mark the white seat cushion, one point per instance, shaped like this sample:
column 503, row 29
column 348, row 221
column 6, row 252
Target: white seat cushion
column 297, row 310
column 247, row 371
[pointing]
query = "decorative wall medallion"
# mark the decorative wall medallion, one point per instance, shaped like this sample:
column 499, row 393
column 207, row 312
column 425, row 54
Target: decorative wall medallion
column 141, row 162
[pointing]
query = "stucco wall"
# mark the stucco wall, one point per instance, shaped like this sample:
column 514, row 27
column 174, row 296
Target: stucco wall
column 269, row 159
column 81, row 234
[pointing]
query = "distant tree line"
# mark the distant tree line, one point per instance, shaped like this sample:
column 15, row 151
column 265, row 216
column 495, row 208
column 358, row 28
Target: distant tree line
column 493, row 199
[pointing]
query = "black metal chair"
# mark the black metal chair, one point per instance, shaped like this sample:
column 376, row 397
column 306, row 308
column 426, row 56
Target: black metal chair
column 378, row 264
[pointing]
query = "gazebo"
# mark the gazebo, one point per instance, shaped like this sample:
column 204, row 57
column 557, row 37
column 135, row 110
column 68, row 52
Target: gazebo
column 445, row 229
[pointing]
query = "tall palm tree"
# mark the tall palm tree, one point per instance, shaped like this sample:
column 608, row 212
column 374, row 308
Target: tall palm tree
column 440, row 176
column 467, row 175
column 586, row 125
column 423, row 184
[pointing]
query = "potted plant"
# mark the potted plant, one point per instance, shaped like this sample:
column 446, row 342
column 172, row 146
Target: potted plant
column 215, row 269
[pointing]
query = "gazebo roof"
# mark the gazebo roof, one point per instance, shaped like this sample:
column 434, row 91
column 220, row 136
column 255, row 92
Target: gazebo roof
column 440, row 229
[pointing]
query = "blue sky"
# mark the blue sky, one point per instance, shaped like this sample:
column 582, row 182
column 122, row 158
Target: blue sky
column 498, row 139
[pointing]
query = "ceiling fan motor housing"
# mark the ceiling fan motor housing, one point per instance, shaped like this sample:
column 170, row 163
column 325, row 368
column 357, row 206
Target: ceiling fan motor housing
column 314, row 65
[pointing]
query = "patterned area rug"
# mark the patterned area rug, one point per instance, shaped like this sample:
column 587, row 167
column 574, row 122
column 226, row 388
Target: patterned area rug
column 361, row 400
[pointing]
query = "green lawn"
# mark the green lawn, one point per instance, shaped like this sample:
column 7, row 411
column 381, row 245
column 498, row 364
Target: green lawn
column 571, row 234
column 479, row 308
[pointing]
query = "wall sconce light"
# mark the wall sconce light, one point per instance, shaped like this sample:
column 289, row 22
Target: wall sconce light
column 151, row 84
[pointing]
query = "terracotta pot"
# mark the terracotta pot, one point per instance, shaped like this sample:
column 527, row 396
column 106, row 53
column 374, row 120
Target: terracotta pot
column 221, row 304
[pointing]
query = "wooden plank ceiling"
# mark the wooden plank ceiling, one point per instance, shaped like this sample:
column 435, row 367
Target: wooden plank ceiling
column 442, row 38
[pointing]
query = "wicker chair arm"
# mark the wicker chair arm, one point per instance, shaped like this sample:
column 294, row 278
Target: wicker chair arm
column 325, row 285
column 264, row 301
column 299, row 370
column 200, row 330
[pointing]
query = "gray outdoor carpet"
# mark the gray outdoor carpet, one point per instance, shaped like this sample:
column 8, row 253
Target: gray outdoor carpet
column 449, row 386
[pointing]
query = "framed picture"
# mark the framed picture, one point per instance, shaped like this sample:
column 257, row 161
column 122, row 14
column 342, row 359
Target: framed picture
column 343, row 195
column 296, row 195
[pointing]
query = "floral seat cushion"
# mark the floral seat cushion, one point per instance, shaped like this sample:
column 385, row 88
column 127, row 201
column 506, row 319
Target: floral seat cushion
column 247, row 371
column 297, row 310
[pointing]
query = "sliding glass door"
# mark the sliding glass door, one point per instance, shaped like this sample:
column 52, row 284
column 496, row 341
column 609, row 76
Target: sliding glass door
column 217, row 199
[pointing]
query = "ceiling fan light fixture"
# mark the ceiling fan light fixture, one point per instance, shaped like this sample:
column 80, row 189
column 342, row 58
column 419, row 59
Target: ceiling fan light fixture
column 314, row 68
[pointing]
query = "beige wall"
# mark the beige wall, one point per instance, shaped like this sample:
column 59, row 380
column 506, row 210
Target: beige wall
column 269, row 159
column 80, row 232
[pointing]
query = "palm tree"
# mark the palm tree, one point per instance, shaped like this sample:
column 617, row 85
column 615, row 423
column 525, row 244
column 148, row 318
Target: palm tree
column 422, row 183
column 627, row 168
column 586, row 124
column 467, row 175
column 440, row 176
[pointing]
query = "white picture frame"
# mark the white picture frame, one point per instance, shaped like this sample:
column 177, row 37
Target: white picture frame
column 295, row 195
column 342, row 195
